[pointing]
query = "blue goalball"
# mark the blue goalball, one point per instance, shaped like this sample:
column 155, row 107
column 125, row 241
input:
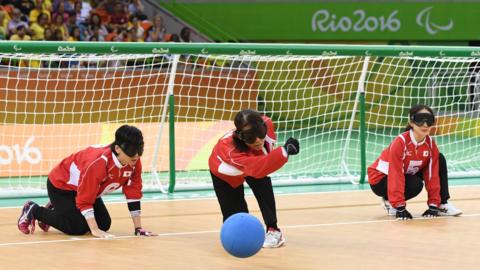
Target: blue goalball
column 242, row 235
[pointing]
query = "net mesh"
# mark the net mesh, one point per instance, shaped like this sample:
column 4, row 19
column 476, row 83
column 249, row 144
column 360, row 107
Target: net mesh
column 55, row 104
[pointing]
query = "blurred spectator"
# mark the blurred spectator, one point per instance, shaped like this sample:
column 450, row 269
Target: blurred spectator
column 117, row 34
column 82, row 13
column 25, row 6
column 67, row 6
column 58, row 23
column 94, row 38
column 95, row 27
column 95, row 32
column 56, row 35
column 119, row 17
column 122, row 35
column 86, row 9
column 75, row 35
column 61, row 11
column 174, row 38
column 136, row 27
column 47, row 4
column 104, row 9
column 75, row 20
column 146, row 25
column 38, row 27
column 16, row 21
column 135, row 7
column 3, row 25
column 132, row 36
column 156, row 32
column 47, row 33
column 39, row 8
column 20, row 34
column 93, row 3
column 185, row 35
column 72, row 23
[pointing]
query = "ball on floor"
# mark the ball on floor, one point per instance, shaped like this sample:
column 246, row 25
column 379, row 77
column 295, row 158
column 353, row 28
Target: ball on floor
column 242, row 235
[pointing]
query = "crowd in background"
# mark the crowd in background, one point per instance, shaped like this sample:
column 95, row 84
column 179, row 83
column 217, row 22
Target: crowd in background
column 77, row 20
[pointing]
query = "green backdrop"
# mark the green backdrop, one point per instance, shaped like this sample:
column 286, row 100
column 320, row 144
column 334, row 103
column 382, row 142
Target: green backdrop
column 427, row 21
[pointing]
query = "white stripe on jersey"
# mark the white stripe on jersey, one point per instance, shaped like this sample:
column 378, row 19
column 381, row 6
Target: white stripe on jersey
column 382, row 166
column 227, row 169
column 74, row 175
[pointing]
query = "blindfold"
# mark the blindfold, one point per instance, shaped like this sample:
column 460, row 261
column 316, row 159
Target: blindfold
column 421, row 118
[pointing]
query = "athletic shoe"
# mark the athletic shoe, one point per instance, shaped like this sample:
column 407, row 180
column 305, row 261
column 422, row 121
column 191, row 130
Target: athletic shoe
column 45, row 226
column 448, row 209
column 391, row 211
column 26, row 221
column 273, row 239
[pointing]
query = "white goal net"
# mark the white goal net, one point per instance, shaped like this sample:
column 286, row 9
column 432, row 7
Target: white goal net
column 55, row 104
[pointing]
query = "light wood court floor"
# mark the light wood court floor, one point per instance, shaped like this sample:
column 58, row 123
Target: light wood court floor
column 338, row 230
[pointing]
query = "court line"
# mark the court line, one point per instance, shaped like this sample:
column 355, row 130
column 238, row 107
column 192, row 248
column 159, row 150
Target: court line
column 146, row 200
column 206, row 198
column 76, row 239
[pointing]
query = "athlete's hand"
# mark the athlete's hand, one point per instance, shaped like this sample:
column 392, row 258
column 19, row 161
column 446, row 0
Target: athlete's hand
column 402, row 213
column 292, row 146
column 102, row 234
column 142, row 232
column 431, row 212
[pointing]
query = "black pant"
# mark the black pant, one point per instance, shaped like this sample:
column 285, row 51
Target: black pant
column 66, row 217
column 414, row 183
column 232, row 200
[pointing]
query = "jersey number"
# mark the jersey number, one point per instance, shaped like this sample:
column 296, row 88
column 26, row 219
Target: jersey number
column 414, row 166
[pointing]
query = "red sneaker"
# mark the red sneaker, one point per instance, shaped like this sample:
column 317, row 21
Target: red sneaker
column 26, row 221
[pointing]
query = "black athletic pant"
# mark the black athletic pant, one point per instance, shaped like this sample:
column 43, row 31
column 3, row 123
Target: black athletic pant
column 414, row 183
column 66, row 217
column 232, row 200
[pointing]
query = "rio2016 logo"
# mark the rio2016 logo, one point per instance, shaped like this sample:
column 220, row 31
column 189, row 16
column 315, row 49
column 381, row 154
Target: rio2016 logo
column 325, row 21
column 9, row 154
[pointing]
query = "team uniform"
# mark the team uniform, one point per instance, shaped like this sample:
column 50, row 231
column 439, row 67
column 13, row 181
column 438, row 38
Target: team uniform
column 232, row 165
column 399, row 166
column 230, row 168
column 76, row 184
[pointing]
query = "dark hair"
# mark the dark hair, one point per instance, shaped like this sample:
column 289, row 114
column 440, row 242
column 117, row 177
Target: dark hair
column 129, row 139
column 42, row 15
column 185, row 34
column 415, row 109
column 174, row 38
column 72, row 31
column 247, row 117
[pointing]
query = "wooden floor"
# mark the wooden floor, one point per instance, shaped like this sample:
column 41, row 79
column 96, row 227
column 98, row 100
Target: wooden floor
column 341, row 230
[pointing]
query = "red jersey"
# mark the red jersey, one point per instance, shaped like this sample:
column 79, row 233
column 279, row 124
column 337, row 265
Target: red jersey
column 407, row 156
column 231, row 165
column 96, row 171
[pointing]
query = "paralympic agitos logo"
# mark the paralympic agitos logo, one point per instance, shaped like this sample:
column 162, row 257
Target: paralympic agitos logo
column 424, row 20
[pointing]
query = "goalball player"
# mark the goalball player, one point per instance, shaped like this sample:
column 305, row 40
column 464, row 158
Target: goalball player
column 76, row 185
column 412, row 159
column 248, row 155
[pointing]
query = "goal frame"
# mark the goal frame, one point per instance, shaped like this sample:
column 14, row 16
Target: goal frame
column 177, row 49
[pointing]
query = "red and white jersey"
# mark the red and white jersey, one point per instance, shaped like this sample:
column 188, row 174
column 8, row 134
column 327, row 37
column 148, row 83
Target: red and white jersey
column 407, row 156
column 96, row 171
column 231, row 165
